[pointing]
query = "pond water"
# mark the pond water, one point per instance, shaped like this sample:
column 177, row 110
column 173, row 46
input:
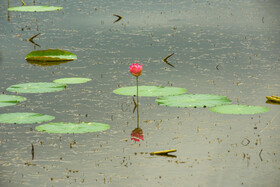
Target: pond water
column 229, row 48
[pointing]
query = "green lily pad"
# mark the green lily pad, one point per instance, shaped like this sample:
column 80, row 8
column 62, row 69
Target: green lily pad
column 239, row 109
column 193, row 100
column 34, row 8
column 39, row 87
column 9, row 100
column 24, row 118
column 50, row 55
column 150, row 91
column 47, row 63
column 62, row 127
column 73, row 80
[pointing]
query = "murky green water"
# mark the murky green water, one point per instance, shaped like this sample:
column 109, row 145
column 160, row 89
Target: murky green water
column 229, row 48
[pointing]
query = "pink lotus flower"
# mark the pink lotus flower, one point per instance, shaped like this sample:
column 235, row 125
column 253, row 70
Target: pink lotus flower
column 137, row 135
column 136, row 69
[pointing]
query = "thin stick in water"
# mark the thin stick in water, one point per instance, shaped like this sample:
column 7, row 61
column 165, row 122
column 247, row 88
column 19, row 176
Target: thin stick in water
column 165, row 60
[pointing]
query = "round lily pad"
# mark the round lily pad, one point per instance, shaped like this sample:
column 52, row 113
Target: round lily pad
column 50, row 55
column 24, row 118
column 150, row 91
column 9, row 100
column 39, row 87
column 73, row 80
column 62, row 127
column 239, row 109
column 34, row 8
column 193, row 100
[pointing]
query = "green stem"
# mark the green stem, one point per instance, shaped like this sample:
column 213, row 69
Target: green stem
column 137, row 104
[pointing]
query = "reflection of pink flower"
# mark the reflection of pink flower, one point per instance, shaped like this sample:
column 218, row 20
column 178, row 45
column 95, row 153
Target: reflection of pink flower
column 137, row 135
column 136, row 69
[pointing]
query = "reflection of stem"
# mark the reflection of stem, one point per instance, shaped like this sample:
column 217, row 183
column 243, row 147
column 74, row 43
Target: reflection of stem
column 137, row 103
column 8, row 11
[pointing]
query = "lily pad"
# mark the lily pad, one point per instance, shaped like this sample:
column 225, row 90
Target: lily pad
column 9, row 100
column 39, row 87
column 47, row 63
column 50, row 55
column 73, row 80
column 34, row 8
column 24, row 118
column 239, row 109
column 62, row 127
column 273, row 98
column 165, row 152
column 193, row 100
column 150, row 91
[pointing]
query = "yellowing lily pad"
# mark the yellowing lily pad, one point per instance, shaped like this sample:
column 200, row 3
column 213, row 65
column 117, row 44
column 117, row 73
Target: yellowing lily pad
column 273, row 98
column 193, row 100
column 24, row 118
column 34, row 8
column 9, row 100
column 38, row 87
column 72, row 80
column 150, row 91
column 50, row 55
column 163, row 152
column 62, row 127
column 239, row 109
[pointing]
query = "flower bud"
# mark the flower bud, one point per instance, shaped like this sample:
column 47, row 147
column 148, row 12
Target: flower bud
column 136, row 69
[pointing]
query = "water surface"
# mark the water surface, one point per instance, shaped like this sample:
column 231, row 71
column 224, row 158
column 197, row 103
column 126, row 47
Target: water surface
column 228, row 48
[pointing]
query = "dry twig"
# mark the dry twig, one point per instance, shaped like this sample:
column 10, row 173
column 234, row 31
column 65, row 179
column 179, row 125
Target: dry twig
column 165, row 60
column 119, row 18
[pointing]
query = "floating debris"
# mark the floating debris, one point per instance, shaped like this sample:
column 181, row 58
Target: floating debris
column 119, row 18
column 165, row 60
column 273, row 98
column 165, row 152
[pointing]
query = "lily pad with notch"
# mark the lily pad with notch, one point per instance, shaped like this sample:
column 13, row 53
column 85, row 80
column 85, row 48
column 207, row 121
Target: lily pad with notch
column 239, row 109
column 150, row 91
column 63, row 128
column 193, row 100
column 24, row 118
column 34, row 8
column 9, row 100
column 72, row 80
column 39, row 87
column 50, row 55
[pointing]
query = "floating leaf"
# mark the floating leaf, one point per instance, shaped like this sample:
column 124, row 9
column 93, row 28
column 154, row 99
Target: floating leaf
column 150, row 91
column 9, row 100
column 275, row 99
column 47, row 63
column 34, row 8
column 62, row 127
column 73, row 80
column 239, row 109
column 50, row 55
column 24, row 118
column 165, row 152
column 39, row 87
column 193, row 100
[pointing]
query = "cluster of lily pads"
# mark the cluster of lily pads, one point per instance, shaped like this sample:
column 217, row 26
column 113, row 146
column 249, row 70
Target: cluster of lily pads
column 166, row 96
column 175, row 97
column 45, row 58
column 30, row 118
